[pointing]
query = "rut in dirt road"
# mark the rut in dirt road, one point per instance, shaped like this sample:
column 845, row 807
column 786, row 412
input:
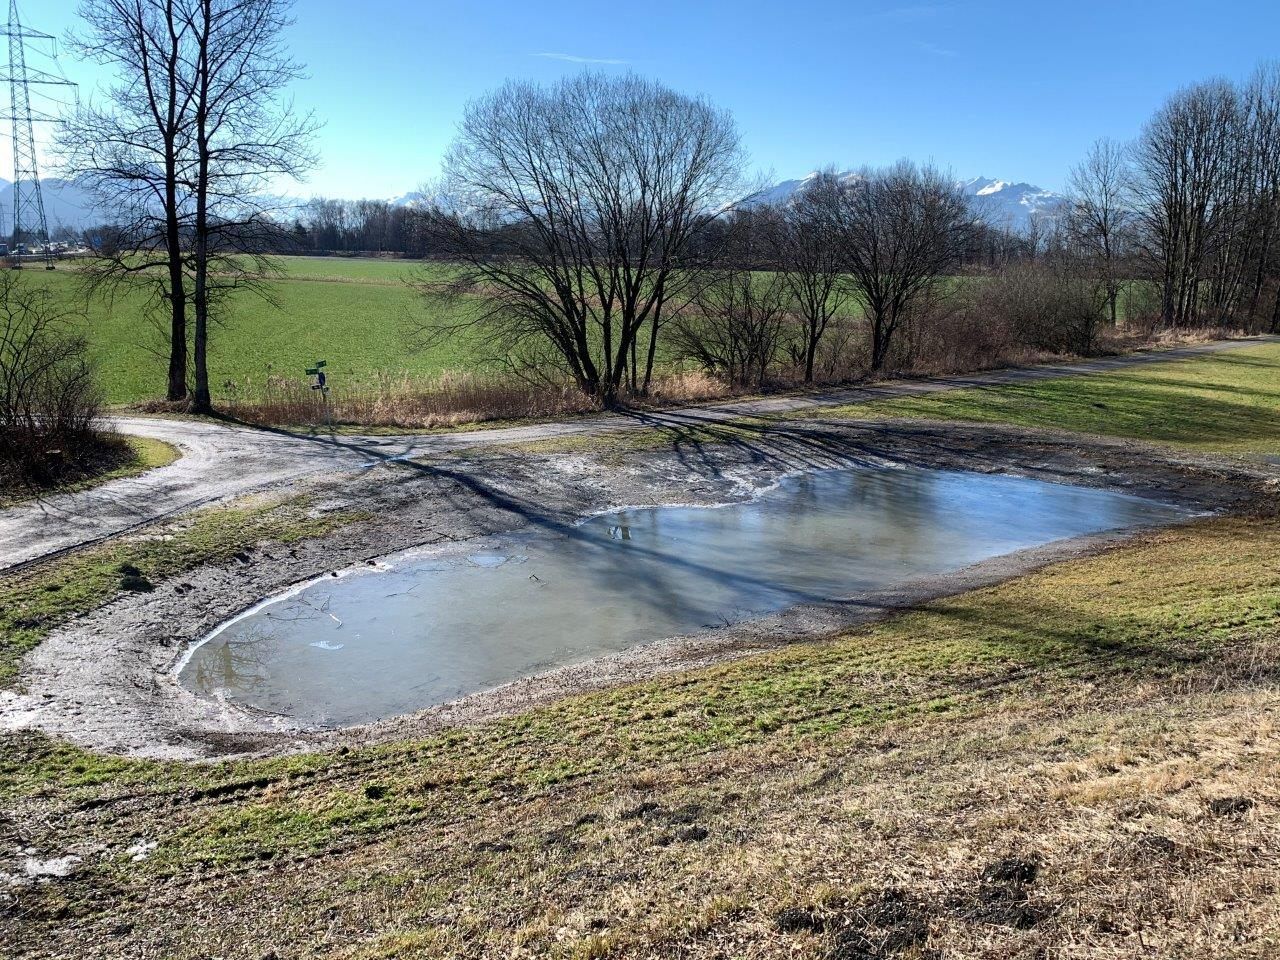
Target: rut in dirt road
column 221, row 462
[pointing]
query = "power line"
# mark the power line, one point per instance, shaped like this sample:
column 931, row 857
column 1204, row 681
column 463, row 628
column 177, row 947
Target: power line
column 29, row 221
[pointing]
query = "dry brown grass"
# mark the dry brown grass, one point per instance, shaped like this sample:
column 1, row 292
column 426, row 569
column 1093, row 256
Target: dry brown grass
column 399, row 401
column 450, row 399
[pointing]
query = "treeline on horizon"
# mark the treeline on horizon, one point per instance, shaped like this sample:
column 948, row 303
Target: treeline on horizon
column 596, row 225
column 330, row 225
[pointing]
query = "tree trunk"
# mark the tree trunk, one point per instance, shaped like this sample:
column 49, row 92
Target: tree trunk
column 177, row 285
column 653, row 343
column 177, row 335
column 811, row 349
column 173, row 233
column 879, row 346
column 201, row 402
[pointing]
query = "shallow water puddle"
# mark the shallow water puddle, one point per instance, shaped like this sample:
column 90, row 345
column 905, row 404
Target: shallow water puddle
column 429, row 627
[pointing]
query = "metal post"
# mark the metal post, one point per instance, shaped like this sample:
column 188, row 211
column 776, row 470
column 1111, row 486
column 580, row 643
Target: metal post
column 322, row 384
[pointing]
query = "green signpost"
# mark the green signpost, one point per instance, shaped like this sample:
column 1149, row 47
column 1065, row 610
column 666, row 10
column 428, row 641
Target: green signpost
column 321, row 384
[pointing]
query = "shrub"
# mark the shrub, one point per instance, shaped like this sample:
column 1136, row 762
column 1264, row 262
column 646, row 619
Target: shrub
column 737, row 327
column 955, row 334
column 1045, row 305
column 49, row 401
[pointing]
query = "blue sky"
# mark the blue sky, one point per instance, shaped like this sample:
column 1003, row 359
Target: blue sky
column 995, row 88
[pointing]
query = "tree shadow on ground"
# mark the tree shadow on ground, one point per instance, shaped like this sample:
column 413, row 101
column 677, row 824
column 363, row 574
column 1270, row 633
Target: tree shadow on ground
column 1169, row 411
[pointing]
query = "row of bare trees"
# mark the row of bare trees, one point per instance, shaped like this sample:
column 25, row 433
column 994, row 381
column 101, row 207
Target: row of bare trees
column 1191, row 208
column 880, row 245
column 589, row 216
column 1207, row 183
column 327, row 225
column 182, row 151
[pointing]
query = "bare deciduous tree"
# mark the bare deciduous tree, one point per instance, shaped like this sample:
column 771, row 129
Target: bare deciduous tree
column 575, row 211
column 244, row 138
column 902, row 229
column 808, row 252
column 130, row 153
column 1099, row 218
column 181, row 154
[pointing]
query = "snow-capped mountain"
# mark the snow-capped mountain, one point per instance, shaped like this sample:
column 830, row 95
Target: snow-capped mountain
column 780, row 194
column 999, row 202
column 1011, row 205
column 410, row 199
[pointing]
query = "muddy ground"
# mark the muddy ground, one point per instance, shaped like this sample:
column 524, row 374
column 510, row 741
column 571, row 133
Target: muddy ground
column 108, row 681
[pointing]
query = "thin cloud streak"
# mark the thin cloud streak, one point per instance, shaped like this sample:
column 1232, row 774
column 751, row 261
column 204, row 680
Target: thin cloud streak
column 570, row 58
column 936, row 50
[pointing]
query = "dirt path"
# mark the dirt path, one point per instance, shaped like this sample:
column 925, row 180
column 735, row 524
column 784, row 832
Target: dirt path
column 220, row 462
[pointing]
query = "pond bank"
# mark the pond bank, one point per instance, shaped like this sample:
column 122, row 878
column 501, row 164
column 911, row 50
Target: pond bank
column 108, row 682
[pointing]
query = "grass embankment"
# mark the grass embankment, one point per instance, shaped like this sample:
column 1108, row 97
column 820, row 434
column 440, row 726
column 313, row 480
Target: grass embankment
column 35, row 601
column 1084, row 756
column 115, row 458
column 1227, row 402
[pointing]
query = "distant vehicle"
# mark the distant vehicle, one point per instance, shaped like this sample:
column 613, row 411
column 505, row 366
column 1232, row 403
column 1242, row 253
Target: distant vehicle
column 4, row 249
column 21, row 249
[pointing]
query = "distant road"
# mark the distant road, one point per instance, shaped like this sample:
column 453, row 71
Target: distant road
column 220, row 462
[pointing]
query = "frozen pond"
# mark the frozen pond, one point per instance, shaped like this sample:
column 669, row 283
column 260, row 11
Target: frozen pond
column 431, row 626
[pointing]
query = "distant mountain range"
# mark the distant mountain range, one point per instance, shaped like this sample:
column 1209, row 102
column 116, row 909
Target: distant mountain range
column 999, row 202
column 1011, row 205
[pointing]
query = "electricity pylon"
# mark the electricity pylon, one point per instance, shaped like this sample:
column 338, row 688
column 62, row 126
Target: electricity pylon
column 29, row 222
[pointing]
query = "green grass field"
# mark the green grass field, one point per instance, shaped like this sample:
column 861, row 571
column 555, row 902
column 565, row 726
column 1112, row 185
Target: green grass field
column 1228, row 402
column 352, row 313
